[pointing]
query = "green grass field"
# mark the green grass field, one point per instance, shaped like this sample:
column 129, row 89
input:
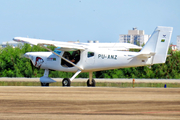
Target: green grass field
column 98, row 84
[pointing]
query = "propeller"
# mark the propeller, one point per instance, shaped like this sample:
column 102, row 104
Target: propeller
column 32, row 65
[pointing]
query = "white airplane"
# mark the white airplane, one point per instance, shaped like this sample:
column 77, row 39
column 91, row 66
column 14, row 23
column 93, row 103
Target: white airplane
column 84, row 57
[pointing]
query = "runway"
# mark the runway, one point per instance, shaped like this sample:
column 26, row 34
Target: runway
column 79, row 103
column 129, row 80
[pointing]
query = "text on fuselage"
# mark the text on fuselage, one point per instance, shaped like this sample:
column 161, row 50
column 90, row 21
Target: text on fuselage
column 104, row 56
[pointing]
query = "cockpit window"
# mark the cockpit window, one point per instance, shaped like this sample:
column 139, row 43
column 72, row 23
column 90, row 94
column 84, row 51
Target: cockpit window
column 90, row 54
column 72, row 56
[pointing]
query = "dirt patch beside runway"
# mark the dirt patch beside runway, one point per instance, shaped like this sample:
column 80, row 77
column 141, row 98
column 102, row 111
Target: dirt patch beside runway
column 56, row 103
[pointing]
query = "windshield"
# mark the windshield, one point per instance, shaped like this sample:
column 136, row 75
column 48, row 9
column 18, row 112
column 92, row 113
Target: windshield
column 57, row 51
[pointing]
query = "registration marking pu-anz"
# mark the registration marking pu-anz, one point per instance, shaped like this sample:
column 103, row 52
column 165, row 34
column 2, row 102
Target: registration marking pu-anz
column 104, row 56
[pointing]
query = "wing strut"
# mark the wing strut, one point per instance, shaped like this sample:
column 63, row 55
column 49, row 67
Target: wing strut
column 61, row 57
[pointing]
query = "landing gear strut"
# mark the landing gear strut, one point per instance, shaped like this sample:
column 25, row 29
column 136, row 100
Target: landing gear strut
column 67, row 82
column 45, row 80
column 91, row 82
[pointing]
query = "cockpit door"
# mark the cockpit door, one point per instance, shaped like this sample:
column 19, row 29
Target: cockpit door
column 90, row 58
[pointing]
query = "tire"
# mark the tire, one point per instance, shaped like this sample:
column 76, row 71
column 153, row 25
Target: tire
column 66, row 82
column 44, row 84
column 93, row 83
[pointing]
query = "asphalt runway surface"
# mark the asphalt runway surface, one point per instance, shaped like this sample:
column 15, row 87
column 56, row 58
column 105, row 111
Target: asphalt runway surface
column 83, row 103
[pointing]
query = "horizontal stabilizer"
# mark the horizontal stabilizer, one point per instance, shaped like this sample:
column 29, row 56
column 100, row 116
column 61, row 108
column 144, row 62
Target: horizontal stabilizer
column 143, row 55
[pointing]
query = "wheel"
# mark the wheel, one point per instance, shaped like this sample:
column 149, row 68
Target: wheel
column 66, row 82
column 44, row 84
column 91, row 85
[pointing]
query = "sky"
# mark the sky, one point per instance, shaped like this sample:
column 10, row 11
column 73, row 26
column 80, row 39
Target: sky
column 83, row 20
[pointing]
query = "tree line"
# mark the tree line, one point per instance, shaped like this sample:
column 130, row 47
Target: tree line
column 13, row 64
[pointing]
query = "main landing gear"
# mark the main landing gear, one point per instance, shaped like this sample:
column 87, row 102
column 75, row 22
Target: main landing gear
column 90, row 82
column 66, row 82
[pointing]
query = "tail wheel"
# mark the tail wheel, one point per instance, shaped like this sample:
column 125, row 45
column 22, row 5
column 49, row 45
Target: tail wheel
column 66, row 82
column 92, row 84
column 44, row 84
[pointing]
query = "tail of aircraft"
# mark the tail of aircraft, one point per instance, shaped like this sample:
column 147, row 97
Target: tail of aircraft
column 158, row 44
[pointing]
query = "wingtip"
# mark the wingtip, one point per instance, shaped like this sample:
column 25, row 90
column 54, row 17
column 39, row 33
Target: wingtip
column 17, row 39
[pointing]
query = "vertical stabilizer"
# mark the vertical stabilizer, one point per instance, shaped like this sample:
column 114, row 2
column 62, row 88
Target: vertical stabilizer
column 158, row 44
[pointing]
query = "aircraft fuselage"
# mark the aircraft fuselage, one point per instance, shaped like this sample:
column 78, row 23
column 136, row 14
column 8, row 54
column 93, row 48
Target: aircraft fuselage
column 90, row 60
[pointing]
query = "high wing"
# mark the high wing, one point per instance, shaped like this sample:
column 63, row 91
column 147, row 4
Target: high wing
column 77, row 46
column 63, row 45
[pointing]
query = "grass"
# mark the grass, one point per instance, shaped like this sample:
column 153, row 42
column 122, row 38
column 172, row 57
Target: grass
column 98, row 84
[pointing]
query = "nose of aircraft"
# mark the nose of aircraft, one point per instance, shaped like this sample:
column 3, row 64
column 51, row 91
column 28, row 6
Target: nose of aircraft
column 28, row 55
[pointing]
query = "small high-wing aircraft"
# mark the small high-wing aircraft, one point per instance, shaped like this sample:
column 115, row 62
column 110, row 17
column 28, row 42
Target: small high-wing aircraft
column 90, row 57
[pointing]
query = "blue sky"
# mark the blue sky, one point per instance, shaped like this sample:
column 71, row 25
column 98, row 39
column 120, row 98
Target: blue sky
column 72, row 20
